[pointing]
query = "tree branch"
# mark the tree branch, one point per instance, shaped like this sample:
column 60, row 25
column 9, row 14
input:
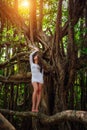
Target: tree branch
column 11, row 14
column 70, row 115
column 77, row 13
column 17, row 78
column 5, row 124
column 2, row 65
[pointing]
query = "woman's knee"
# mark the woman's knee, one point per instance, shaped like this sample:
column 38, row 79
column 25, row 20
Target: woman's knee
column 35, row 86
column 40, row 88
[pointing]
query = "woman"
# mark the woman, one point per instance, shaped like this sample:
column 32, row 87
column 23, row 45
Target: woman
column 37, row 79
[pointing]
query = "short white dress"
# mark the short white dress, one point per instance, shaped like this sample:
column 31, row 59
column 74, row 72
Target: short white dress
column 37, row 76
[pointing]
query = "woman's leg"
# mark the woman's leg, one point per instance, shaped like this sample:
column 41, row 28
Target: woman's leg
column 39, row 96
column 34, row 96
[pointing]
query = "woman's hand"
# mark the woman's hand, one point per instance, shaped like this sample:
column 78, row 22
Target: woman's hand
column 34, row 47
column 37, row 49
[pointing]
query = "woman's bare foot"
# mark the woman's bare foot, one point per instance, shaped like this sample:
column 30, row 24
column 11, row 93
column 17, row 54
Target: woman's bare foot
column 36, row 110
column 33, row 110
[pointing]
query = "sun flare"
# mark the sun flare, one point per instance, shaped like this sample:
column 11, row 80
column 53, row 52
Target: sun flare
column 25, row 3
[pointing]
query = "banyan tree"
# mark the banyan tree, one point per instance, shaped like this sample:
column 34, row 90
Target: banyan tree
column 59, row 29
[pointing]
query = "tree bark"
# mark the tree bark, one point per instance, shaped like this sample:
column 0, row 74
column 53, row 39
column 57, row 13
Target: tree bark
column 40, row 15
column 68, row 115
column 5, row 124
column 33, row 20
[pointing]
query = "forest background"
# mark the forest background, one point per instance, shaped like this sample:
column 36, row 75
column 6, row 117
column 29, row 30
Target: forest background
column 59, row 29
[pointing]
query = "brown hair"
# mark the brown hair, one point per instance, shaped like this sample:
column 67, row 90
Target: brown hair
column 39, row 60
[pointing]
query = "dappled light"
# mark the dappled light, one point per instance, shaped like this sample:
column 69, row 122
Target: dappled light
column 57, row 30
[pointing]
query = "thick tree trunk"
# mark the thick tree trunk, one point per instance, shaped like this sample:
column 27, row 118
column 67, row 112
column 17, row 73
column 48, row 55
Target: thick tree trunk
column 5, row 124
column 33, row 20
column 16, row 5
column 59, row 65
column 61, row 82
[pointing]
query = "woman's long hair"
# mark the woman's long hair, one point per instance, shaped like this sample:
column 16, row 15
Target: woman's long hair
column 39, row 60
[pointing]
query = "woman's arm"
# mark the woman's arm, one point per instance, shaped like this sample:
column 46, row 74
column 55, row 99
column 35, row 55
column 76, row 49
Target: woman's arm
column 31, row 56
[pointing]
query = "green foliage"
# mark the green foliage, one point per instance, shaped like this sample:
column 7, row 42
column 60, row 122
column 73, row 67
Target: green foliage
column 1, row 72
column 24, row 12
column 84, row 51
column 49, row 11
column 10, row 35
column 77, row 95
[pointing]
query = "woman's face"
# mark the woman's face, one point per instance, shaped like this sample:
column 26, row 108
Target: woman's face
column 36, row 57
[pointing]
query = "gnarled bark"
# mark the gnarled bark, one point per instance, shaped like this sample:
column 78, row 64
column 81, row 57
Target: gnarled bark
column 70, row 115
column 5, row 124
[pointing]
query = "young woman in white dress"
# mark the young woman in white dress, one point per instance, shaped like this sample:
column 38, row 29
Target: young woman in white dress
column 37, row 80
